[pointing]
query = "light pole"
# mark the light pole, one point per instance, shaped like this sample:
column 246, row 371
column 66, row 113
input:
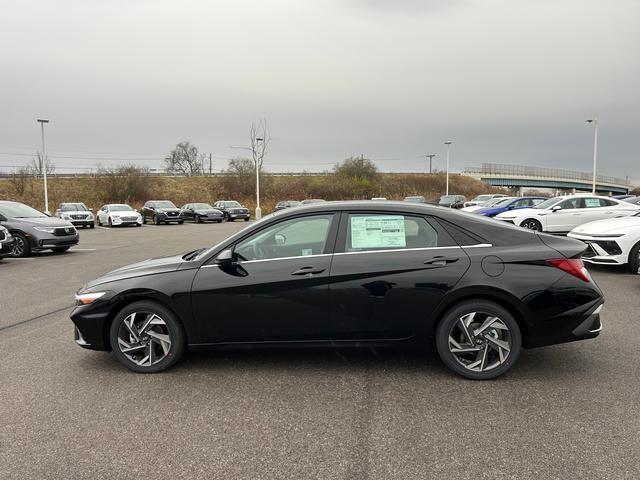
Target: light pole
column 448, row 144
column 430, row 157
column 42, row 121
column 257, row 160
column 595, row 151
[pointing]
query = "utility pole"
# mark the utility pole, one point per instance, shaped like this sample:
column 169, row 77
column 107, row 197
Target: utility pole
column 42, row 121
column 595, row 151
column 430, row 157
column 209, row 164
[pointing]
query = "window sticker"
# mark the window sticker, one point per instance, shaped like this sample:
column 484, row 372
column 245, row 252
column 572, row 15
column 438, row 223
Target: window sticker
column 379, row 231
column 592, row 202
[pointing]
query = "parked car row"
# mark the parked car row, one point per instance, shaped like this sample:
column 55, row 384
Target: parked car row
column 609, row 226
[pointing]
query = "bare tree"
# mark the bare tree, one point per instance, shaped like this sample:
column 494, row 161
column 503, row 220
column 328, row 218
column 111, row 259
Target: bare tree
column 259, row 140
column 185, row 159
column 38, row 165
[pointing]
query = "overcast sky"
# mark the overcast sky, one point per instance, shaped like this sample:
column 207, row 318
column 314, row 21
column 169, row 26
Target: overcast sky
column 507, row 81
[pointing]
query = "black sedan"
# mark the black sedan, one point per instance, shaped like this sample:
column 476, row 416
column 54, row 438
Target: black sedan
column 233, row 210
column 351, row 274
column 201, row 212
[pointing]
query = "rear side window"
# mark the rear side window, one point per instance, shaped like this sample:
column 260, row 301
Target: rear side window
column 371, row 232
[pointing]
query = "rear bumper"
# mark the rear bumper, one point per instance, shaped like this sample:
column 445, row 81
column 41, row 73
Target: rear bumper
column 578, row 324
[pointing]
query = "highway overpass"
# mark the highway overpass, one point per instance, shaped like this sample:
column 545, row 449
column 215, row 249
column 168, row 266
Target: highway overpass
column 521, row 176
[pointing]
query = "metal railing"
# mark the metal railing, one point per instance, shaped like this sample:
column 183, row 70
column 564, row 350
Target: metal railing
column 542, row 172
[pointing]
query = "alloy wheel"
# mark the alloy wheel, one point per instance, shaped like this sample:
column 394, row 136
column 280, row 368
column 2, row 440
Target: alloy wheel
column 18, row 247
column 143, row 337
column 531, row 225
column 480, row 342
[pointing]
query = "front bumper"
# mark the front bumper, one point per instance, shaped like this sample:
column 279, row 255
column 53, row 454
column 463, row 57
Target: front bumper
column 164, row 217
column 91, row 324
column 81, row 223
column 45, row 241
column 5, row 247
column 234, row 216
column 602, row 250
column 125, row 221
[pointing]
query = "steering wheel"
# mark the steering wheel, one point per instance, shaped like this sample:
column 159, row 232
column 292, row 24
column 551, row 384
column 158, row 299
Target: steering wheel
column 258, row 253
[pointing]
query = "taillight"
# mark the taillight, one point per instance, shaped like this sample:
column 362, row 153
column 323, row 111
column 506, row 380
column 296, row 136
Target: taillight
column 572, row 266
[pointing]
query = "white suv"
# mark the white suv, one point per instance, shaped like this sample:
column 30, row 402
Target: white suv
column 562, row 214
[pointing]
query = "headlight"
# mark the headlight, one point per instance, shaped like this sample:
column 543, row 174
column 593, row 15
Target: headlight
column 65, row 216
column 88, row 297
column 45, row 229
column 90, row 216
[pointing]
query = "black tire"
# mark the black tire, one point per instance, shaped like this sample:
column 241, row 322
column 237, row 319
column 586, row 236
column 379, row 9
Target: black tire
column 246, row 219
column 138, row 224
column 156, row 221
column 144, row 219
column 98, row 221
column 60, row 249
column 449, row 324
column 634, row 258
column 532, row 224
column 20, row 247
column 110, row 223
column 198, row 219
column 174, row 331
column 219, row 221
column 180, row 222
column 92, row 226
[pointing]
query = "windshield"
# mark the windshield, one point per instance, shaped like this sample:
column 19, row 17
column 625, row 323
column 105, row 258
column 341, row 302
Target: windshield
column 120, row 208
column 73, row 207
column 502, row 201
column 448, row 198
column 200, row 206
column 548, row 203
column 19, row 210
column 164, row 204
column 482, row 198
column 231, row 204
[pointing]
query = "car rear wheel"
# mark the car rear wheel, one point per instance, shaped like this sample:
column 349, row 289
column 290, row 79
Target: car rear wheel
column 532, row 224
column 198, row 219
column 21, row 247
column 156, row 221
column 478, row 339
column 146, row 337
column 634, row 258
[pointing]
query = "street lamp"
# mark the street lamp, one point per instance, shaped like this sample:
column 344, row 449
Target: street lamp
column 448, row 144
column 430, row 157
column 42, row 121
column 258, row 209
column 595, row 151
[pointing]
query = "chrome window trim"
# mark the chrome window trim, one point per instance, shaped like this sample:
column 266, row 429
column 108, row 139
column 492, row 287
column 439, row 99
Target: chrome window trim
column 273, row 259
column 396, row 250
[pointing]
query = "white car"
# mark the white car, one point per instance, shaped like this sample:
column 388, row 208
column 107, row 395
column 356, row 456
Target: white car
column 611, row 242
column 563, row 214
column 77, row 213
column 116, row 214
column 488, row 203
column 483, row 198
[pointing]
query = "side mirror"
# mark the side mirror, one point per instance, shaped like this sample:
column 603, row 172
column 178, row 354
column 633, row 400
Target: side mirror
column 226, row 258
column 556, row 208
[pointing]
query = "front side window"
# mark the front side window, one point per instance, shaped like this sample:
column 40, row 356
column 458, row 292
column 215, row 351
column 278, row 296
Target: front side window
column 296, row 237
column 573, row 203
column 371, row 232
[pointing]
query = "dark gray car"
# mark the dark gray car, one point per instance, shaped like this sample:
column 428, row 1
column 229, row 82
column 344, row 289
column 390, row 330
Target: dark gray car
column 34, row 231
column 201, row 212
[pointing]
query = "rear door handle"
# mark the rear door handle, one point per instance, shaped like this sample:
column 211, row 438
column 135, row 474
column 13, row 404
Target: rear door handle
column 308, row 271
column 441, row 261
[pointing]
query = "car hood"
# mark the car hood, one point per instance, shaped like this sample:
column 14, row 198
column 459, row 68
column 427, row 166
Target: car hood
column 165, row 210
column 125, row 213
column 523, row 211
column 43, row 222
column 207, row 211
column 612, row 225
column 147, row 267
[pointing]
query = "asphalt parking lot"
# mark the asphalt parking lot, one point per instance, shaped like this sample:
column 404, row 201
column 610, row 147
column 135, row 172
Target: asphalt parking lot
column 567, row 411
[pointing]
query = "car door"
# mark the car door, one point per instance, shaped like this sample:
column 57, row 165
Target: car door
column 277, row 288
column 390, row 270
column 570, row 215
column 187, row 212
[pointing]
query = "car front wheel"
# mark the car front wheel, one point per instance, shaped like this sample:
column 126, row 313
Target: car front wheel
column 21, row 247
column 478, row 339
column 146, row 337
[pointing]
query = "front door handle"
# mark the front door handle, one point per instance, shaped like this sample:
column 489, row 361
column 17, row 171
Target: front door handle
column 441, row 261
column 308, row 271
